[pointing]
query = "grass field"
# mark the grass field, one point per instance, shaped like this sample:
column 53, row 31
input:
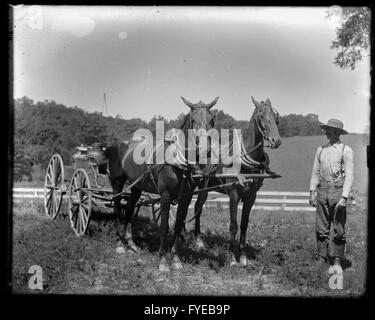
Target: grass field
column 280, row 245
column 295, row 157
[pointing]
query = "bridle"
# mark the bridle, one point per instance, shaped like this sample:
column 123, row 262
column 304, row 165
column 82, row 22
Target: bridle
column 204, row 125
column 262, row 132
column 260, row 129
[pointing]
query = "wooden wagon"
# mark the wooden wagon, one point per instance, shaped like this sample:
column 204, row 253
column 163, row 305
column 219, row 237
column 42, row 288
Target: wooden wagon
column 86, row 184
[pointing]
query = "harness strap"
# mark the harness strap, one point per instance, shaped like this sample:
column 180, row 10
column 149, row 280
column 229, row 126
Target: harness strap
column 152, row 178
column 129, row 187
column 342, row 156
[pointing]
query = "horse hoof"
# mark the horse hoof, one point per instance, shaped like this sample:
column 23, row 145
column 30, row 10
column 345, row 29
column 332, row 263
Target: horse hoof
column 200, row 244
column 233, row 263
column 243, row 261
column 163, row 265
column 120, row 250
column 177, row 265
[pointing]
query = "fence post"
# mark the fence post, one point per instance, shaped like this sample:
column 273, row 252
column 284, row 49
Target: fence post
column 283, row 206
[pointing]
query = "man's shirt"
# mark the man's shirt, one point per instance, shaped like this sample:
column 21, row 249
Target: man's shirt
column 327, row 166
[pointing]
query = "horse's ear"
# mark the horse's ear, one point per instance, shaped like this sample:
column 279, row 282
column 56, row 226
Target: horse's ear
column 268, row 101
column 188, row 103
column 210, row 105
column 257, row 105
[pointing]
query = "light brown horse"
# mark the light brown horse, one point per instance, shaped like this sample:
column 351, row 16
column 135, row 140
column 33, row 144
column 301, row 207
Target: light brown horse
column 165, row 179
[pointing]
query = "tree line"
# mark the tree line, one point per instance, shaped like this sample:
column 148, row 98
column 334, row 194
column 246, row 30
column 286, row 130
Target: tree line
column 46, row 127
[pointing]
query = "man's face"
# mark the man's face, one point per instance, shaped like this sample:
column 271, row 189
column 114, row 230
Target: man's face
column 332, row 134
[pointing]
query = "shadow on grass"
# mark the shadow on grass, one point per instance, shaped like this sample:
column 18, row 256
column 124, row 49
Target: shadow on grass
column 147, row 236
column 216, row 254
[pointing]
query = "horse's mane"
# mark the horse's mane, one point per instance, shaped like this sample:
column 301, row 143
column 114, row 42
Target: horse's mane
column 249, row 127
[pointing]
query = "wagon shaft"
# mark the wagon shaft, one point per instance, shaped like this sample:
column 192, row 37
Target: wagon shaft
column 234, row 176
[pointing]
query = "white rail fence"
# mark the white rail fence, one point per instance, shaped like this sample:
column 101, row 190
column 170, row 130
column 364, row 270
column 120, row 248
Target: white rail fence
column 266, row 200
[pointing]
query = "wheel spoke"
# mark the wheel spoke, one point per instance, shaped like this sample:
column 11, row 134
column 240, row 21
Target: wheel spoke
column 85, row 198
column 53, row 203
column 58, row 181
column 48, row 205
column 53, row 169
column 50, row 198
column 82, row 216
column 76, row 187
column 56, row 203
column 58, row 173
column 79, row 186
column 75, row 183
column 48, row 192
column 74, row 211
column 49, row 177
column 80, row 219
column 85, row 208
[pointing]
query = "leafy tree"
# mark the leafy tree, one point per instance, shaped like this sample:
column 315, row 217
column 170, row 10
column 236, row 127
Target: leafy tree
column 44, row 128
column 352, row 37
column 22, row 161
column 93, row 129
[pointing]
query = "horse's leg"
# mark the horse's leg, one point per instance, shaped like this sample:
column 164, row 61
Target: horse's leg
column 202, row 197
column 246, row 208
column 182, row 209
column 165, row 204
column 117, row 185
column 129, row 211
column 233, row 206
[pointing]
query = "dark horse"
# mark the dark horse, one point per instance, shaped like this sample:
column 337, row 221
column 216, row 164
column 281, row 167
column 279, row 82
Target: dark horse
column 262, row 131
column 169, row 180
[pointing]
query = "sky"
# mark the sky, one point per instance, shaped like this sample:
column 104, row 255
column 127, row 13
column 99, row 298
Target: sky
column 146, row 58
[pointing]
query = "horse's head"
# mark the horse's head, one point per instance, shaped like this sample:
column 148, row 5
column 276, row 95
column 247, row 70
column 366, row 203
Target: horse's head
column 201, row 119
column 267, row 119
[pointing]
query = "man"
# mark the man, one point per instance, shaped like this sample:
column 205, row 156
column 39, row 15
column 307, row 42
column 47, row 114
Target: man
column 332, row 178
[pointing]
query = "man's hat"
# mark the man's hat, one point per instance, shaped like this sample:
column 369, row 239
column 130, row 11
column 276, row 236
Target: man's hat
column 335, row 124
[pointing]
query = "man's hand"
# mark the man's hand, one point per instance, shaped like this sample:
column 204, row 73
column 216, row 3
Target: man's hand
column 312, row 199
column 342, row 203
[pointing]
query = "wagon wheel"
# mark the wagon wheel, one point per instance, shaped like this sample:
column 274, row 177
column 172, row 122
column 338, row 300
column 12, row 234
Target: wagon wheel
column 80, row 202
column 157, row 216
column 54, row 187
